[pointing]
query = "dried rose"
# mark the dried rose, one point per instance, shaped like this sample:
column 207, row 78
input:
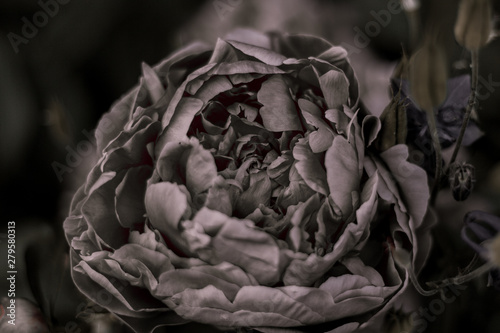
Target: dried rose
column 235, row 189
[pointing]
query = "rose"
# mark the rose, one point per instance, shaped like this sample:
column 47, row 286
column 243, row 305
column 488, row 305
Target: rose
column 238, row 188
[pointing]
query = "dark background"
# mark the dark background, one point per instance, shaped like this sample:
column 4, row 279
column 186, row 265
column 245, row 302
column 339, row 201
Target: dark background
column 56, row 84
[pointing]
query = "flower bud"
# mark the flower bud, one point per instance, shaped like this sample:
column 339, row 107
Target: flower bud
column 428, row 75
column 473, row 25
column 462, row 179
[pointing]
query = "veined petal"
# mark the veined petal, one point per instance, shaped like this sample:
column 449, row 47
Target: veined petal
column 279, row 112
column 341, row 162
column 310, row 168
column 166, row 204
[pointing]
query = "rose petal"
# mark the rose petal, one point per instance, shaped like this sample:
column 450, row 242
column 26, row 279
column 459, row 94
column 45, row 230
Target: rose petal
column 310, row 168
column 411, row 179
column 212, row 87
column 278, row 169
column 297, row 191
column 200, row 170
column 224, row 277
column 253, row 250
column 117, row 296
column 278, row 112
column 244, row 67
column 133, row 152
column 341, row 162
column 265, row 55
column 335, row 88
column 356, row 266
column 99, row 212
column 111, row 124
column 339, row 118
column 299, row 220
column 258, row 193
column 129, row 196
column 178, row 127
column 152, row 82
column 336, row 285
column 223, row 52
column 321, row 139
column 219, row 197
column 215, row 118
column 165, row 205
column 347, row 328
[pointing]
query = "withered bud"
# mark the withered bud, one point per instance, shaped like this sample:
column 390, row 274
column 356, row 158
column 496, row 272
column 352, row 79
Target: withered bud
column 394, row 124
column 473, row 25
column 462, row 179
column 428, row 75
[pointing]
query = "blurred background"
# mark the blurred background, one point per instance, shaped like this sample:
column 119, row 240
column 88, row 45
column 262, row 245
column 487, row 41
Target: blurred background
column 63, row 63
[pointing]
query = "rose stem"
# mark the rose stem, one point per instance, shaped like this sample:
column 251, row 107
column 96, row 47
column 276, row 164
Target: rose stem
column 470, row 105
column 469, row 276
column 460, row 279
column 417, row 285
column 437, row 148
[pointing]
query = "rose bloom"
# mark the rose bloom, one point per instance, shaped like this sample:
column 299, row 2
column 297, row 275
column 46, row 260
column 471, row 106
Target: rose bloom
column 237, row 187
